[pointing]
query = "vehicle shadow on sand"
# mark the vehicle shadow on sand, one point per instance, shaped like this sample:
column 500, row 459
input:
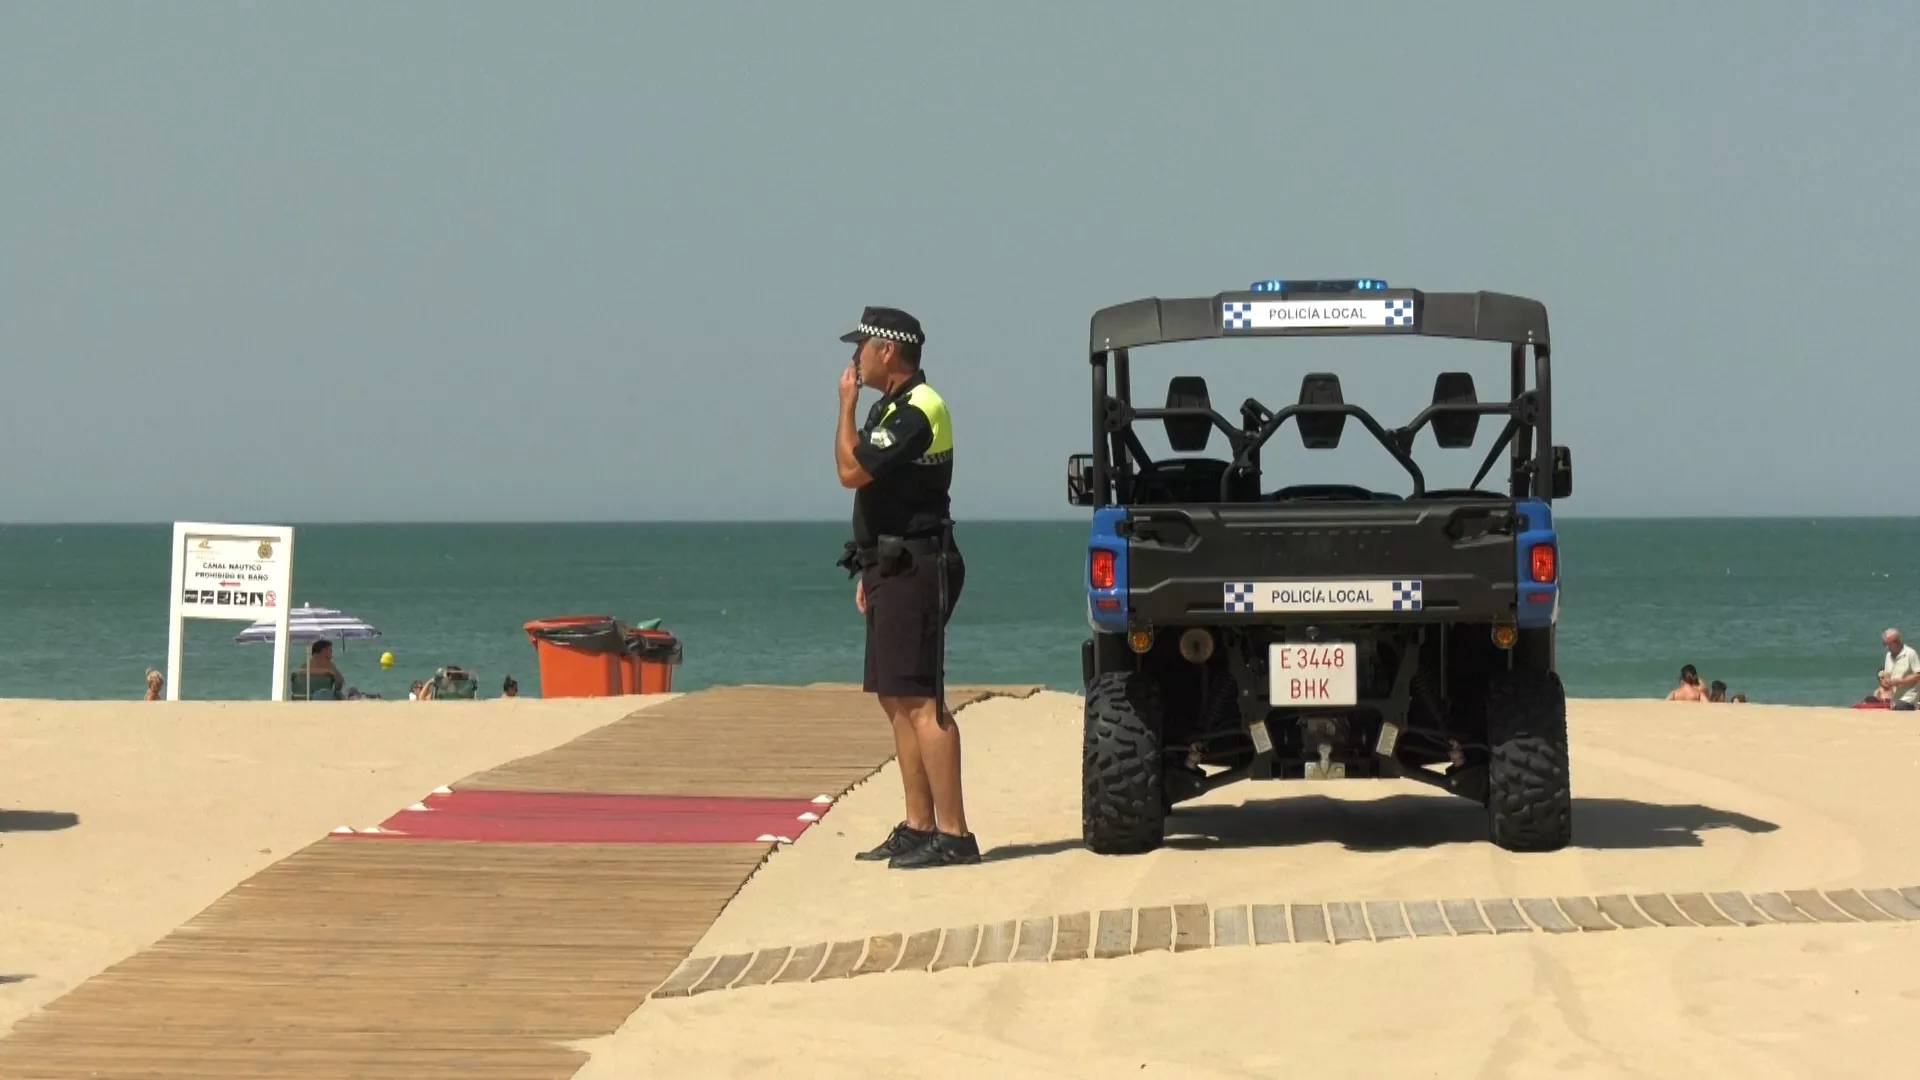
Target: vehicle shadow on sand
column 36, row 820
column 1400, row 822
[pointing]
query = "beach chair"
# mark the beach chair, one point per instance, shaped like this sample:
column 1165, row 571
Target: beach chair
column 455, row 682
column 308, row 686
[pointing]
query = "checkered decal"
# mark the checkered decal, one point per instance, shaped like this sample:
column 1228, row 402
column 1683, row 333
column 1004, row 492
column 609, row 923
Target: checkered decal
column 1239, row 595
column 1400, row 313
column 1236, row 316
column 1406, row 596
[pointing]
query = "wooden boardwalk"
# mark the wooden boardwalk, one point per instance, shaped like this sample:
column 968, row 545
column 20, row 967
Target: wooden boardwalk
column 359, row 957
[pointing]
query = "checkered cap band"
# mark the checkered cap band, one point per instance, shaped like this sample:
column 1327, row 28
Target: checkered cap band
column 891, row 335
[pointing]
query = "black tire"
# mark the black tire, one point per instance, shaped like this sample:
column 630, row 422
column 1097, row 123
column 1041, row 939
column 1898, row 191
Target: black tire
column 1123, row 810
column 1529, row 796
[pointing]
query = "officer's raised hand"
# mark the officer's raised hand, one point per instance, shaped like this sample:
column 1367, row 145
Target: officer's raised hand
column 849, row 387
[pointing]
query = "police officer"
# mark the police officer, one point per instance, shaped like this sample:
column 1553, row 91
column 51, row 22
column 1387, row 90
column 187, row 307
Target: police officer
column 900, row 466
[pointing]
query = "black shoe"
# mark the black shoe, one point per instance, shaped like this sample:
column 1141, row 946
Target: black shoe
column 903, row 838
column 943, row 850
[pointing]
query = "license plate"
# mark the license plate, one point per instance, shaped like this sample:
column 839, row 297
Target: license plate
column 1311, row 673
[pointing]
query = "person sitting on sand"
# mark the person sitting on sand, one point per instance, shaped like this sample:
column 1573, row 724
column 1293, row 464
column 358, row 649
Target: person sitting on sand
column 1689, row 688
column 155, row 683
column 1717, row 692
column 510, row 688
column 1739, row 699
column 1899, row 673
column 320, row 662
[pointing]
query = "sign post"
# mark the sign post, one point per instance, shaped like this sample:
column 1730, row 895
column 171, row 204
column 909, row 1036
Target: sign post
column 231, row 572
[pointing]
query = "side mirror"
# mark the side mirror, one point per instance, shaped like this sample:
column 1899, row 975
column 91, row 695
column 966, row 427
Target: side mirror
column 1455, row 431
column 1320, row 431
column 1562, row 472
column 1080, row 480
column 1188, row 434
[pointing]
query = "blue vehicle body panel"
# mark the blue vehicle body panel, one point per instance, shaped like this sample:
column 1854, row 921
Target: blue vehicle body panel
column 1531, row 613
column 1106, row 537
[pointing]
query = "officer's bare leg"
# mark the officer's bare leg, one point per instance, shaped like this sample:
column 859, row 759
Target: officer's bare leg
column 938, row 736
column 913, row 772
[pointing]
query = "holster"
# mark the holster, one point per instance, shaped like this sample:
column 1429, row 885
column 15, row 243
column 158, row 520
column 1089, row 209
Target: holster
column 850, row 559
column 892, row 556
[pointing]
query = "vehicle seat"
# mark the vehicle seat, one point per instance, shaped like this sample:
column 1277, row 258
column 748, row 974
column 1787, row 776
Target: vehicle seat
column 1330, row 493
column 1188, row 480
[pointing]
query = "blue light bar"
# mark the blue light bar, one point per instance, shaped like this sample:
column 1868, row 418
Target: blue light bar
column 1353, row 285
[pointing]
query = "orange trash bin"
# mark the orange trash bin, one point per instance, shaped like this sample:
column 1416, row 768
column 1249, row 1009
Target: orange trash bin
column 651, row 657
column 579, row 655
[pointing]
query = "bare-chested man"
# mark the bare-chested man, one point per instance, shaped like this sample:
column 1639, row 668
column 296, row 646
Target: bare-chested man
column 1689, row 688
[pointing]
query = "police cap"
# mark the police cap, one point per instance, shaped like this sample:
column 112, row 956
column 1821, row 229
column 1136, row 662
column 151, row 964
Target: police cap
column 891, row 324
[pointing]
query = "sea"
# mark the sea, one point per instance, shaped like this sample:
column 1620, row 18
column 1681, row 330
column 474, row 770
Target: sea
column 1781, row 610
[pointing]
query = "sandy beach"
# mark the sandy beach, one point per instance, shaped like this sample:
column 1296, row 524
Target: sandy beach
column 1669, row 798
column 119, row 821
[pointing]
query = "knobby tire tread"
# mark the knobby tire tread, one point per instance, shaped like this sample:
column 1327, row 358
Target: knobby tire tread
column 1123, row 810
column 1529, row 792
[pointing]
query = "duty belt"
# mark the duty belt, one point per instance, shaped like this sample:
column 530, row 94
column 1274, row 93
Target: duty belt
column 891, row 555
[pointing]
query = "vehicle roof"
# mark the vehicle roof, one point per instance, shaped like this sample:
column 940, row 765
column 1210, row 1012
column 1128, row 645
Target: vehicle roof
column 1474, row 316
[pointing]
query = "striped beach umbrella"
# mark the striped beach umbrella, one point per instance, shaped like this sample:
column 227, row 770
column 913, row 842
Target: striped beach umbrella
column 306, row 624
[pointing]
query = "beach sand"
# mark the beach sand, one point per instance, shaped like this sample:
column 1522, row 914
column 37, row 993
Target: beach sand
column 119, row 821
column 1670, row 798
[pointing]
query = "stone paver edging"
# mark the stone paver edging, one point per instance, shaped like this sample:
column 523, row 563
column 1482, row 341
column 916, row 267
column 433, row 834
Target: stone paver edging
column 1187, row 927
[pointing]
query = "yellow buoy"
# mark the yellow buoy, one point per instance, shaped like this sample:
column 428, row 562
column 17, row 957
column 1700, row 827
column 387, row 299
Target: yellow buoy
column 386, row 659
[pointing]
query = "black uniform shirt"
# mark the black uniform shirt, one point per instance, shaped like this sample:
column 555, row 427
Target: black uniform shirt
column 911, row 477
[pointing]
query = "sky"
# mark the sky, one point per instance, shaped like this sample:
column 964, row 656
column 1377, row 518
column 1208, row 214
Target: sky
column 573, row 261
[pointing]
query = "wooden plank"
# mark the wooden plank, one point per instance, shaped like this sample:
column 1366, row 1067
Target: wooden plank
column 1738, row 908
column 920, row 951
column 1191, row 928
column 1426, row 919
column 1270, row 924
column 1851, row 902
column 1585, row 913
column 1230, row 926
column 805, row 961
column 1816, row 905
column 1309, row 923
column 1349, row 922
column 957, row 947
column 1505, row 918
column 496, row 953
column 1780, row 909
column 1544, row 914
column 840, row 961
column 1697, row 907
column 724, row 971
column 996, row 943
column 1036, row 941
column 1624, row 914
column 1073, row 936
column 882, row 953
column 1464, row 916
column 1155, row 929
column 766, row 964
column 1661, row 909
column 1115, row 937
column 1891, row 902
column 686, row 978
column 1386, row 919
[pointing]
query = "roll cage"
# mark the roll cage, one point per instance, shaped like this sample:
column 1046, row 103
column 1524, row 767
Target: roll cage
column 1536, row 467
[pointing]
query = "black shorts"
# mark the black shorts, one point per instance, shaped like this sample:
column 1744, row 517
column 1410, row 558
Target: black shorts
column 903, row 623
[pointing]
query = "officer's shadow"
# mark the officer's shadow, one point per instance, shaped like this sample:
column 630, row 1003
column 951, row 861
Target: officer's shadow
column 1400, row 822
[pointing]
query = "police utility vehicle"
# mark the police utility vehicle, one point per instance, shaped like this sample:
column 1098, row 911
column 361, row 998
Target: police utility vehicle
column 1320, row 631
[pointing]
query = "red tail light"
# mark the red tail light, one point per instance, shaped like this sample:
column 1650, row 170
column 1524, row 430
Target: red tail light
column 1101, row 570
column 1543, row 562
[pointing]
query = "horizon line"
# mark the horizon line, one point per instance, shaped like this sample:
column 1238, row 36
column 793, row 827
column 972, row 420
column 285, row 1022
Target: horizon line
column 841, row 520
